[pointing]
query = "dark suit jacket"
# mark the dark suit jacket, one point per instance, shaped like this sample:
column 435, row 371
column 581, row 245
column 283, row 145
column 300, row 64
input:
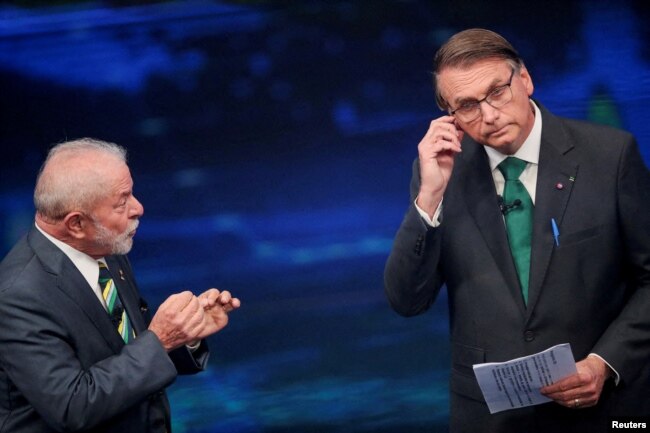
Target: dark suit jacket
column 592, row 291
column 63, row 366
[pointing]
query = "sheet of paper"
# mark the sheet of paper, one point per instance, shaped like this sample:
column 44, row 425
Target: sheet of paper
column 516, row 383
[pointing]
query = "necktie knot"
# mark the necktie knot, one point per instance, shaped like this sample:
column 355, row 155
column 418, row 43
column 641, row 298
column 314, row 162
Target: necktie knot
column 512, row 167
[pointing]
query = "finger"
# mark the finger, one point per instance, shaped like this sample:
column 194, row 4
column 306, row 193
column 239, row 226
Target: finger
column 438, row 127
column 563, row 385
column 449, row 134
column 430, row 148
column 224, row 298
column 445, row 123
column 178, row 301
column 579, row 402
column 190, row 311
column 443, row 147
column 442, row 121
column 209, row 297
column 232, row 304
column 444, row 137
column 445, row 131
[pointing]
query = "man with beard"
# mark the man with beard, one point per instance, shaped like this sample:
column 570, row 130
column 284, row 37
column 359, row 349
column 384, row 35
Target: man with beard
column 78, row 350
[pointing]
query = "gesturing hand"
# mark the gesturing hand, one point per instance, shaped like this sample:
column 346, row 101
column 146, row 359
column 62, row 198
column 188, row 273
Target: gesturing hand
column 216, row 306
column 179, row 320
column 436, row 153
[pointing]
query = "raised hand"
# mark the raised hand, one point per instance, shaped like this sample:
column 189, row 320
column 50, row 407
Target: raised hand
column 436, row 153
column 180, row 320
column 216, row 306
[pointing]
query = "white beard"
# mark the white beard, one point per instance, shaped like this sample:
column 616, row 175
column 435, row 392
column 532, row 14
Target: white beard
column 120, row 243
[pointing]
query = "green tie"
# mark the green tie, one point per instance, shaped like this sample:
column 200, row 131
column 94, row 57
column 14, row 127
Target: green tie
column 519, row 219
column 114, row 304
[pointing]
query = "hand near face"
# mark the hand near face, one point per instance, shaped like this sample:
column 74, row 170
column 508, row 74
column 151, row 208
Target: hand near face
column 436, row 153
column 216, row 306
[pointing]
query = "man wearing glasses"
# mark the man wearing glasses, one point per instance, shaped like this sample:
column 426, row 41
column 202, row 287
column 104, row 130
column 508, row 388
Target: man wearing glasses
column 539, row 228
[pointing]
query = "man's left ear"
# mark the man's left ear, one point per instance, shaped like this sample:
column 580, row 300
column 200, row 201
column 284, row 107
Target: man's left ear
column 526, row 79
column 75, row 224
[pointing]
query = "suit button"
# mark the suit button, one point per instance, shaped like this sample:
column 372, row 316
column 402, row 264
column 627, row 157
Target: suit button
column 529, row 335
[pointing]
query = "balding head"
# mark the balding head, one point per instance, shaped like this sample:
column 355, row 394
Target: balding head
column 73, row 177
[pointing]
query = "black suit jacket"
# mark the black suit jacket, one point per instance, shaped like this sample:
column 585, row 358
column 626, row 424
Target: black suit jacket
column 592, row 291
column 63, row 366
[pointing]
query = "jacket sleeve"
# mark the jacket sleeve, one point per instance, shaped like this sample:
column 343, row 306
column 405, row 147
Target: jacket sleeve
column 626, row 342
column 412, row 279
column 39, row 357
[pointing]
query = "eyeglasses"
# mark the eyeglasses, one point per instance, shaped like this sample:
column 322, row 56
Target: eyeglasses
column 497, row 98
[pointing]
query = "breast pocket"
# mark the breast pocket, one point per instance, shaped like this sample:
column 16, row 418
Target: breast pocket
column 577, row 237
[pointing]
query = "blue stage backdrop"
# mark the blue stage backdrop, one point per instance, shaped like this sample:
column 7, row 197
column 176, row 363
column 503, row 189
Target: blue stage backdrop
column 271, row 145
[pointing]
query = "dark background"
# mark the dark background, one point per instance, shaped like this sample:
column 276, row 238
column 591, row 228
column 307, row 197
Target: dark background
column 271, row 145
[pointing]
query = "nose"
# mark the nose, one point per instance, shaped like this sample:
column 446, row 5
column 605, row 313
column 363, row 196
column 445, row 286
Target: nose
column 488, row 112
column 137, row 210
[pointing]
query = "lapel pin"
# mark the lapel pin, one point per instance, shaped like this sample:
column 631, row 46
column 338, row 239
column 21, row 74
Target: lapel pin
column 572, row 178
column 122, row 275
column 559, row 186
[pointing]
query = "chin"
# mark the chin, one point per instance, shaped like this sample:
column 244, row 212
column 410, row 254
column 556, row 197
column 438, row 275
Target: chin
column 124, row 248
column 504, row 144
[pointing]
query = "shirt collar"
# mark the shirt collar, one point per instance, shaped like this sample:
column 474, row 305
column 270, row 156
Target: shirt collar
column 86, row 265
column 529, row 150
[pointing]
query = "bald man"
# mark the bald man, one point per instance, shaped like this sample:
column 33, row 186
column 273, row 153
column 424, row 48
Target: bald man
column 78, row 350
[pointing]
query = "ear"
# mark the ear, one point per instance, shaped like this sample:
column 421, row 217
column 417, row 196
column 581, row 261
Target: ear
column 527, row 80
column 75, row 224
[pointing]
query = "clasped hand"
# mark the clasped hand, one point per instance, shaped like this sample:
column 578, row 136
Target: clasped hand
column 185, row 319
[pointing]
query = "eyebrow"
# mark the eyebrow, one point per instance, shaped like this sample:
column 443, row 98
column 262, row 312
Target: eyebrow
column 123, row 194
column 491, row 87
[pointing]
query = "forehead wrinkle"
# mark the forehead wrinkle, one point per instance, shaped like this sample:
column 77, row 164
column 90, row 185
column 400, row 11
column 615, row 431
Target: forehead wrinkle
column 468, row 80
column 495, row 82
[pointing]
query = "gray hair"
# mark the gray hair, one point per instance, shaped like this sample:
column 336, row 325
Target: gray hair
column 78, row 188
column 466, row 48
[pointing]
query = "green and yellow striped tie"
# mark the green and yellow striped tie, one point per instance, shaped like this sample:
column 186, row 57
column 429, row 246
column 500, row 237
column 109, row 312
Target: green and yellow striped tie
column 114, row 304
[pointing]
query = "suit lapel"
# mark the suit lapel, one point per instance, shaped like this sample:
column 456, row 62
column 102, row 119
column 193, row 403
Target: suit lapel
column 73, row 285
column 555, row 179
column 481, row 200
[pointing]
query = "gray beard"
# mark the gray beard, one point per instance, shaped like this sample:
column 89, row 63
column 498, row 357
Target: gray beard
column 119, row 244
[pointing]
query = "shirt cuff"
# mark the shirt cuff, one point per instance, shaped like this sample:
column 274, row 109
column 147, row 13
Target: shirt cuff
column 192, row 348
column 617, row 377
column 431, row 222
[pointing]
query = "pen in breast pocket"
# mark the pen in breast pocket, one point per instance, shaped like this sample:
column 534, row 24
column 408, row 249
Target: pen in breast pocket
column 556, row 232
